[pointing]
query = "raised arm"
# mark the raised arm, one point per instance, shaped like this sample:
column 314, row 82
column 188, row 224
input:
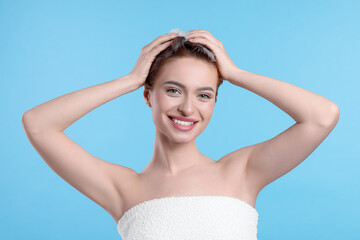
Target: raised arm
column 44, row 125
column 59, row 113
column 315, row 116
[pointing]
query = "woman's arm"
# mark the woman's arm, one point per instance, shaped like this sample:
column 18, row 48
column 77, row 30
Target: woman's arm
column 101, row 181
column 302, row 105
column 59, row 113
column 315, row 116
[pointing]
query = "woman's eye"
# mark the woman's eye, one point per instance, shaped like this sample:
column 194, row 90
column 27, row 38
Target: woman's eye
column 206, row 96
column 169, row 90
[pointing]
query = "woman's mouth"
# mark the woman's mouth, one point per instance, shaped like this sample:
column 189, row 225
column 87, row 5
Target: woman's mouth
column 182, row 125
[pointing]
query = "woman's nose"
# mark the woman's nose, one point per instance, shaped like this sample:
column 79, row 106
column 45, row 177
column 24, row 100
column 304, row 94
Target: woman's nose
column 187, row 105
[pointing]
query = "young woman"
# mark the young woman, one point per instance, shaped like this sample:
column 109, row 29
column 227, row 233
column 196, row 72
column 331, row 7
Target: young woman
column 181, row 193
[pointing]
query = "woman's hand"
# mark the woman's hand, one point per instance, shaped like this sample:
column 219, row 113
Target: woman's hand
column 226, row 66
column 147, row 56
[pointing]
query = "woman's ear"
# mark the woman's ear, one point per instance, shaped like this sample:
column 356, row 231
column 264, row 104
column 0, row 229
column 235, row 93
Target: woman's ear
column 147, row 97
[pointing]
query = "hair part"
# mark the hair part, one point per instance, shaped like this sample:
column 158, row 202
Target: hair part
column 180, row 48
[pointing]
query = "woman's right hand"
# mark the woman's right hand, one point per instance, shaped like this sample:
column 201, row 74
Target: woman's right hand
column 147, row 56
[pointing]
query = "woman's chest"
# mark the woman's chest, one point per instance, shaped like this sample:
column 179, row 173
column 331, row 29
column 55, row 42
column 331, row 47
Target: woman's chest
column 207, row 181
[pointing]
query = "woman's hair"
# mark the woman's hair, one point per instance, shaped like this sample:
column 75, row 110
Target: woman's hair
column 180, row 48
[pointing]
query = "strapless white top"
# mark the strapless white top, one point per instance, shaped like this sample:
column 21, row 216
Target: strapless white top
column 190, row 218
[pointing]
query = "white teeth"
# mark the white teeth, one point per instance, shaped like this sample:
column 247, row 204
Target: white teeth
column 182, row 122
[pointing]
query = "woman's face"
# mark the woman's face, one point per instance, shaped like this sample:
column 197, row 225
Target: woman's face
column 187, row 88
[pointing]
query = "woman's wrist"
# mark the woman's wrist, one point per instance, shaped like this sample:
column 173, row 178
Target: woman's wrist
column 134, row 80
column 131, row 83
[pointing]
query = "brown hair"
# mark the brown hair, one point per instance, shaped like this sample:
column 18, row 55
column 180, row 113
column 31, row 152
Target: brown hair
column 180, row 48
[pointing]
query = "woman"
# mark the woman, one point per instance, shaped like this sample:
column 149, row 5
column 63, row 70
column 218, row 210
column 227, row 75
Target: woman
column 181, row 193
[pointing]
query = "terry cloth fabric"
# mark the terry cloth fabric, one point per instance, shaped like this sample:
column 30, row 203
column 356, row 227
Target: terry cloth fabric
column 190, row 218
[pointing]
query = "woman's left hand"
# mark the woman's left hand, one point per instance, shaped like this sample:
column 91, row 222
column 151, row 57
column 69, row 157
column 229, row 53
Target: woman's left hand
column 226, row 66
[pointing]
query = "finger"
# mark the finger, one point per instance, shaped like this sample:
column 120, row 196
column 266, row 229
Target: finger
column 156, row 50
column 209, row 37
column 211, row 46
column 200, row 31
column 161, row 39
column 200, row 37
column 195, row 30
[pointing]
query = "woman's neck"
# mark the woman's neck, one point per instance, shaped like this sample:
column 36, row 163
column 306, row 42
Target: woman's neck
column 173, row 157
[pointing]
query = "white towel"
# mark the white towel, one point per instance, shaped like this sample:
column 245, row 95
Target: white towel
column 190, row 218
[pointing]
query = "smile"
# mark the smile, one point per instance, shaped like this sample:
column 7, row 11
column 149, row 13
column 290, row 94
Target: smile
column 182, row 125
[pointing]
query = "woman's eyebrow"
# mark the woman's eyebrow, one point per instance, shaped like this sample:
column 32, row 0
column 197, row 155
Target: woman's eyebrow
column 183, row 86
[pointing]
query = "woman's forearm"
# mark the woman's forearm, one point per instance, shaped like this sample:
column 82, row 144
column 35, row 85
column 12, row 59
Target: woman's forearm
column 302, row 105
column 59, row 113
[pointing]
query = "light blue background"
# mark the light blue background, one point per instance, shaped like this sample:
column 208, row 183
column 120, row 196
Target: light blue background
column 50, row 48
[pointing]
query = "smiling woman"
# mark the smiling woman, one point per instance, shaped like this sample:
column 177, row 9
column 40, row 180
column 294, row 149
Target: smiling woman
column 181, row 193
